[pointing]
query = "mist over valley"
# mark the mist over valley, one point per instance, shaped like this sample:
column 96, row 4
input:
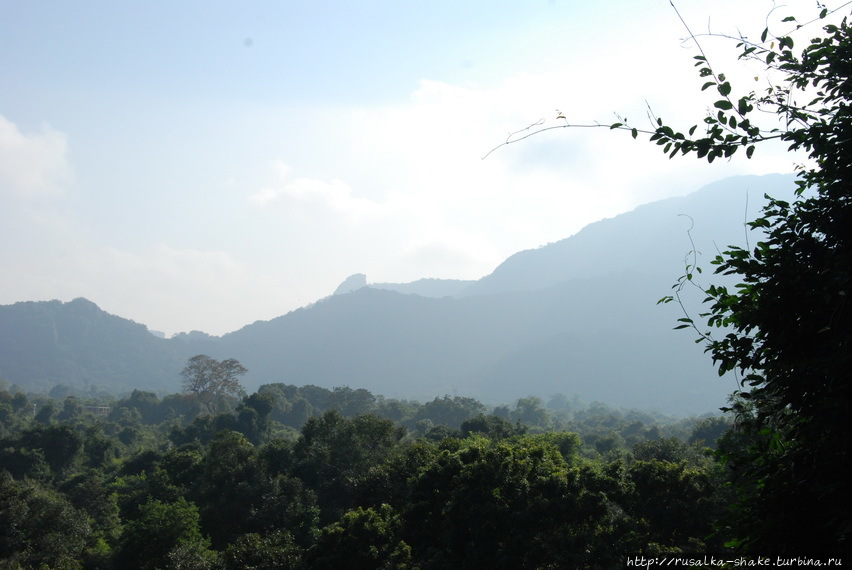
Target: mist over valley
column 577, row 317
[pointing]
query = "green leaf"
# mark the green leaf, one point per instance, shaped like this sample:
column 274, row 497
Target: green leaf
column 708, row 84
column 723, row 104
column 634, row 132
column 725, row 89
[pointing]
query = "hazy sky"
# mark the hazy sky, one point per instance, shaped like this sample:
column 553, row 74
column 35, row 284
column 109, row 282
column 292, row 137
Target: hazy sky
column 202, row 165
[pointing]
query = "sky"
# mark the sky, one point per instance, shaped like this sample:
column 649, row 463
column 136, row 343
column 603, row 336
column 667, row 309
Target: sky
column 201, row 165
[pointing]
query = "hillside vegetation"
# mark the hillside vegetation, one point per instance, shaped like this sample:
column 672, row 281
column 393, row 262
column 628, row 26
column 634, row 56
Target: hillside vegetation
column 304, row 477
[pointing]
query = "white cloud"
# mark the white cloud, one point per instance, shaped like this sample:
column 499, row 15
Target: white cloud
column 550, row 184
column 32, row 165
column 443, row 211
column 48, row 253
column 165, row 288
column 171, row 287
column 453, row 254
column 315, row 196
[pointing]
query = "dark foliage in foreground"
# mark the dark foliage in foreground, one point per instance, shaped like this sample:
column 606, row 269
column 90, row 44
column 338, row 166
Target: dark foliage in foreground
column 442, row 484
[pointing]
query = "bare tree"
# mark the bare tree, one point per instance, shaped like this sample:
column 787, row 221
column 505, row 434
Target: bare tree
column 211, row 380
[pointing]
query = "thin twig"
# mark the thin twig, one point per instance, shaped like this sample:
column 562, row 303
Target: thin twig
column 510, row 140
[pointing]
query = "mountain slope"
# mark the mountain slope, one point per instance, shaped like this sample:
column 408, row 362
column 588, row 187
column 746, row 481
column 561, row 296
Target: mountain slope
column 602, row 338
column 578, row 317
column 437, row 288
column 652, row 238
column 46, row 343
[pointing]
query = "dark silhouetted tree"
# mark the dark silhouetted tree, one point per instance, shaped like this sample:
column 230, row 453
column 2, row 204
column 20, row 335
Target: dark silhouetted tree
column 787, row 328
column 211, row 380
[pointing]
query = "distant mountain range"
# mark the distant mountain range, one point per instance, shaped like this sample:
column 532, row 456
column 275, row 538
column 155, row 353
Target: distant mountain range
column 578, row 316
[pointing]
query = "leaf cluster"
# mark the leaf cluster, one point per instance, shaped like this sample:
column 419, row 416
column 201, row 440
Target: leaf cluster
column 785, row 328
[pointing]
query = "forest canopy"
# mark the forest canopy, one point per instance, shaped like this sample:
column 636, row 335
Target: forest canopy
column 305, row 477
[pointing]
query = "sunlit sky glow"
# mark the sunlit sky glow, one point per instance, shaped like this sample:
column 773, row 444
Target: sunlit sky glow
column 198, row 165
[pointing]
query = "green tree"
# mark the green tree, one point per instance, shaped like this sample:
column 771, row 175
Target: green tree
column 450, row 412
column 664, row 449
column 263, row 552
column 15, row 411
column 211, row 380
column 493, row 427
column 786, row 328
column 60, row 445
column 530, row 411
column 396, row 410
column 146, row 403
column 38, row 527
column 162, row 532
column 708, row 431
column 672, row 504
column 98, row 446
column 230, row 484
column 285, row 503
column 361, row 539
column 71, row 409
column 180, row 470
column 253, row 416
column 351, row 402
column 334, row 454
column 46, row 413
column 88, row 492
column 513, row 503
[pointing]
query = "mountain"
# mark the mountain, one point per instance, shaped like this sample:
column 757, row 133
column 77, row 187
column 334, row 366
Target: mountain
column 578, row 316
column 652, row 238
column 437, row 288
column 352, row 283
column 46, row 343
column 604, row 339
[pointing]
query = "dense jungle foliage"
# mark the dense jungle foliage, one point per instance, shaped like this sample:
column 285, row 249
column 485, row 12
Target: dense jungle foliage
column 304, row 477
column 786, row 328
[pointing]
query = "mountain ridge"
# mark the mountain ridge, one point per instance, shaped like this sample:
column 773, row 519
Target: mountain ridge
column 576, row 317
